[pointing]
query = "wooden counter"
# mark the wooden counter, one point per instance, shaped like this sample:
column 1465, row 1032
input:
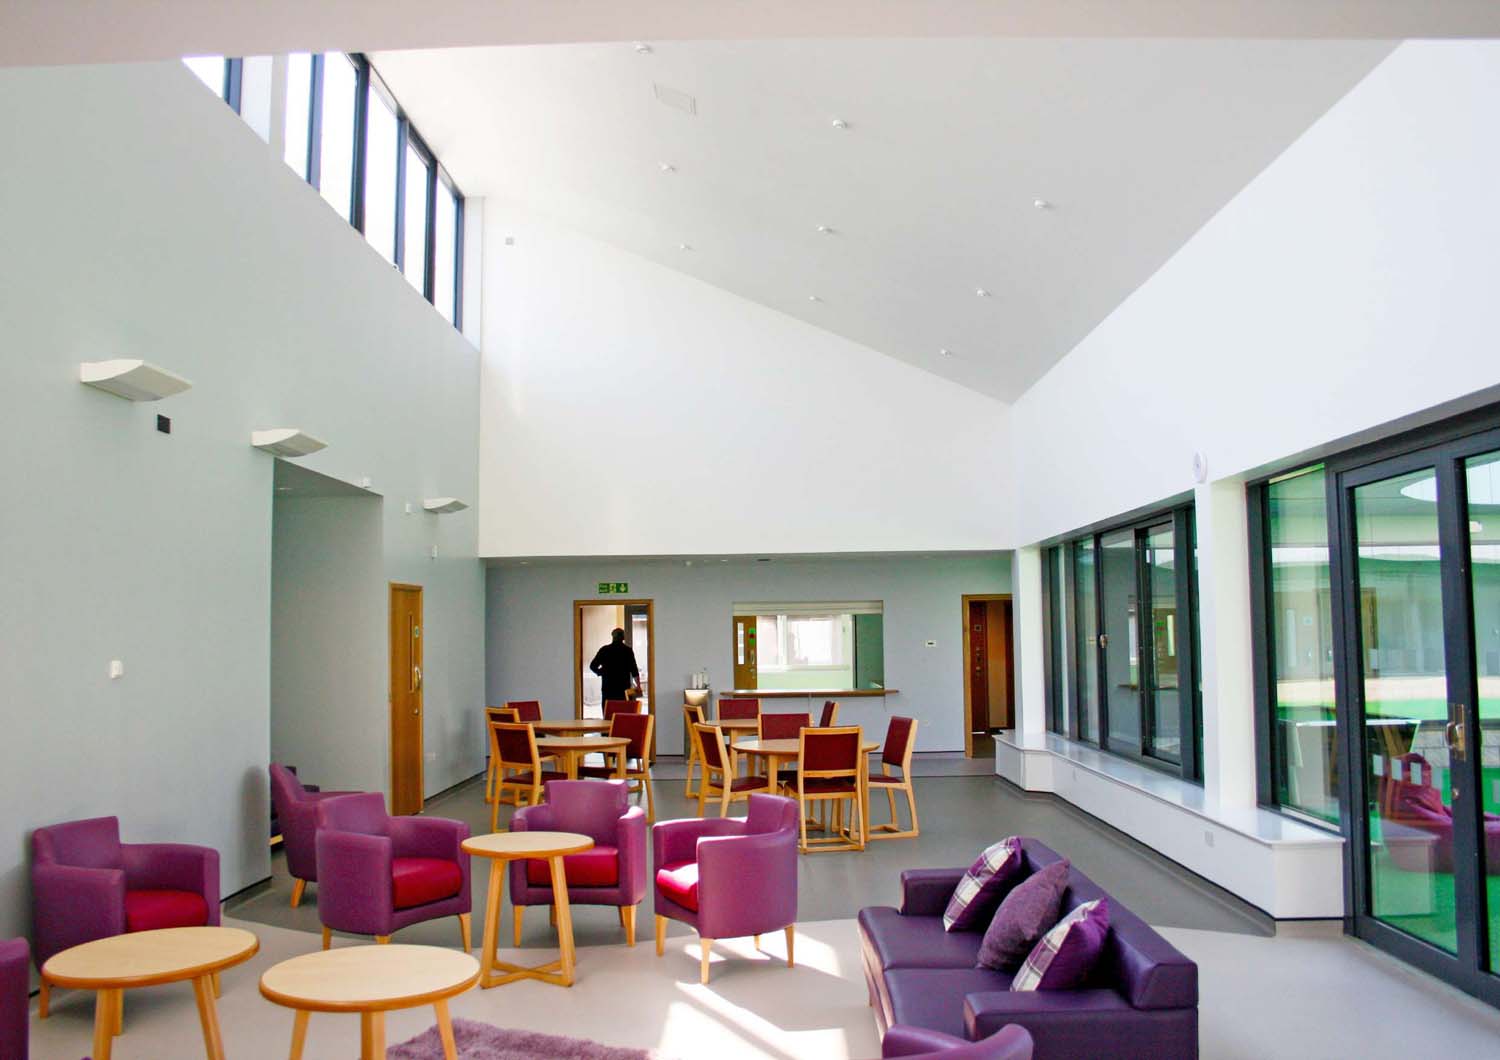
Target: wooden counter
column 808, row 693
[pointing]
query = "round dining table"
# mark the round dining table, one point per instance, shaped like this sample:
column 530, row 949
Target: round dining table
column 570, row 726
column 572, row 749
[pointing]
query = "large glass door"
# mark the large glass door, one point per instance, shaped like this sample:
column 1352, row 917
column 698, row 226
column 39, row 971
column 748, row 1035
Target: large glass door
column 1420, row 607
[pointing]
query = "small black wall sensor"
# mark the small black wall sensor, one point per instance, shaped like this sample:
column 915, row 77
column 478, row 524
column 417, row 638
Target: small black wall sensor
column 164, row 425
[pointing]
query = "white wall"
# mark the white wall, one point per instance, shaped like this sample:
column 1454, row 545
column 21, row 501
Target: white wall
column 529, row 646
column 1349, row 285
column 631, row 410
column 142, row 218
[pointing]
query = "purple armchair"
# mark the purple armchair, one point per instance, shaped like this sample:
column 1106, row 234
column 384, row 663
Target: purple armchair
column 15, row 985
column 378, row 874
column 297, row 814
column 86, row 885
column 1011, row 1042
column 729, row 877
column 612, row 873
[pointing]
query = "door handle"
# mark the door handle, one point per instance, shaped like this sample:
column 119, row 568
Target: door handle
column 1454, row 734
column 416, row 678
column 1104, row 640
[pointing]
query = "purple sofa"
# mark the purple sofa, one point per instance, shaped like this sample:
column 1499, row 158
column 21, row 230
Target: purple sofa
column 1141, row 1002
column 916, row 1043
column 15, row 986
column 378, row 874
column 612, row 873
column 728, row 877
column 296, row 813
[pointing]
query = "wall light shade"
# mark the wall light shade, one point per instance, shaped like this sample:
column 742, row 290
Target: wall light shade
column 133, row 380
column 443, row 505
column 286, row 441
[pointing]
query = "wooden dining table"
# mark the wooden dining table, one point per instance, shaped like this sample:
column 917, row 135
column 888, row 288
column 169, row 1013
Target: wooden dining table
column 777, row 751
column 573, row 749
column 570, row 726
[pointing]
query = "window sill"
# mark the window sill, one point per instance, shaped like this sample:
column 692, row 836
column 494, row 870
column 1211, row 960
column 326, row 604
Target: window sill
column 804, row 693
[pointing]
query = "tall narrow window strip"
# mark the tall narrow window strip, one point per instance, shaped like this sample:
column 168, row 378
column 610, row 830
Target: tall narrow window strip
column 336, row 157
column 381, row 136
column 1087, row 637
column 212, row 70
column 298, row 123
column 415, row 195
column 445, row 251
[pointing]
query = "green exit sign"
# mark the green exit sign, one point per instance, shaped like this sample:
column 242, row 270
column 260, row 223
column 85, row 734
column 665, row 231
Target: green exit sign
column 614, row 588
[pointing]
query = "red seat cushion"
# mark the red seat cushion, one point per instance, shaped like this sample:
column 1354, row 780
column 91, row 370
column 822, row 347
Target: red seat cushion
column 748, row 783
column 679, row 882
column 599, row 867
column 828, row 785
column 149, row 910
column 880, row 778
column 417, row 881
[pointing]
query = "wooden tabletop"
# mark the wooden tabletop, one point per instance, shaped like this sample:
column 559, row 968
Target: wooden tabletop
column 526, row 844
column 786, row 748
column 737, row 724
column 581, row 743
column 369, row 978
column 572, row 725
column 146, row 958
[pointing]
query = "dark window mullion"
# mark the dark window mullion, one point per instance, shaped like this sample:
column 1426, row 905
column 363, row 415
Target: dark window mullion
column 402, row 130
column 315, row 123
column 429, row 248
column 234, row 72
column 361, row 143
column 1187, row 661
column 458, row 260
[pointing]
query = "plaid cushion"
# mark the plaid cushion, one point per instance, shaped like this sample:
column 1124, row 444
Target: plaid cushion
column 983, row 885
column 1064, row 956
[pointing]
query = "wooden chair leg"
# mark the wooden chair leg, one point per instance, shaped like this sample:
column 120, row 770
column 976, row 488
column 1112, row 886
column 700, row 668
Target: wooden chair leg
column 890, row 796
column 297, row 888
column 661, row 935
column 911, row 803
column 552, row 914
column 627, row 917
column 802, row 843
column 495, row 808
column 517, row 915
column 791, row 942
column 702, row 792
column 327, row 936
column 756, row 942
column 650, row 797
column 726, row 798
column 465, row 931
column 382, row 940
column 44, row 1002
column 704, row 946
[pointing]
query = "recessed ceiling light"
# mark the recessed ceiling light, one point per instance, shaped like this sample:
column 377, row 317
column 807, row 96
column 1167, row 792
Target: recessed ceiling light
column 684, row 246
column 827, row 230
column 1041, row 204
column 642, row 48
column 666, row 167
column 982, row 292
column 945, row 351
column 840, row 123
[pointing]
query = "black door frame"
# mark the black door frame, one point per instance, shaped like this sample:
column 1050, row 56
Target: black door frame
column 1443, row 449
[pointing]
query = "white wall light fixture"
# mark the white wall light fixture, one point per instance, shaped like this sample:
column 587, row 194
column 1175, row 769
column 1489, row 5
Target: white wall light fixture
column 131, row 379
column 286, row 441
column 443, row 505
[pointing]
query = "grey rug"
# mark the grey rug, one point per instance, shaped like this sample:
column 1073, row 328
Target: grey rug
column 483, row 1041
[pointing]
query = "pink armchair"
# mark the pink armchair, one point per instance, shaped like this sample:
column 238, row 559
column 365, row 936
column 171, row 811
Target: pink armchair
column 15, row 983
column 729, row 877
column 612, row 873
column 297, row 815
column 378, row 874
column 86, row 885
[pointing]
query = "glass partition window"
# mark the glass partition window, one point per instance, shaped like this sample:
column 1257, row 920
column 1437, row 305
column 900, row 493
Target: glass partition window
column 336, row 139
column 1482, row 479
column 414, row 222
column 1164, row 738
column 381, row 161
column 815, row 646
column 212, row 70
column 298, row 126
column 445, row 250
column 1087, row 646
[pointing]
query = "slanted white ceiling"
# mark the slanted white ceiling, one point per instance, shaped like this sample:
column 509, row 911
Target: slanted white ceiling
column 930, row 190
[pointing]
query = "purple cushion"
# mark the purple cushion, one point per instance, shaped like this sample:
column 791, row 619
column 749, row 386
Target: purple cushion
column 992, row 874
column 1024, row 916
column 1066, row 954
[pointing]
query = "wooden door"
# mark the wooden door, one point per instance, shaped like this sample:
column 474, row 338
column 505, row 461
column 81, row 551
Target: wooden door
column 746, row 673
column 979, row 668
column 406, row 699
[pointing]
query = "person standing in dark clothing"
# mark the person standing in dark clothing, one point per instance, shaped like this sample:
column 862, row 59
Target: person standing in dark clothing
column 615, row 665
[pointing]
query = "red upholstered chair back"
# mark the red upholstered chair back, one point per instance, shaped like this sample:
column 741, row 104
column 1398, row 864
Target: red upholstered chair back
column 783, row 726
column 710, row 745
column 637, row 729
column 363, row 813
column 620, row 706
column 900, row 738
column 526, row 709
column 735, row 709
column 830, row 714
column 500, row 714
column 513, row 744
column 830, row 752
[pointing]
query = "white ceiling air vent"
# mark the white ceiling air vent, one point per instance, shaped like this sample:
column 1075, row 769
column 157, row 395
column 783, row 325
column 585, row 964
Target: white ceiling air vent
column 675, row 99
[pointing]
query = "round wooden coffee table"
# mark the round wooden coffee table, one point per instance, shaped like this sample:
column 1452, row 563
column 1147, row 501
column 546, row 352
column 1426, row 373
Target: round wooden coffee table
column 502, row 848
column 370, row 980
column 150, row 958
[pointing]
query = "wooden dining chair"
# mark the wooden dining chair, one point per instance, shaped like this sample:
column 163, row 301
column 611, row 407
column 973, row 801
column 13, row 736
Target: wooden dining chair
column 731, row 709
column 691, row 715
column 494, row 714
column 621, row 706
column 717, row 758
column 636, row 728
column 783, row 726
column 830, row 715
column 900, row 741
column 830, row 770
column 513, row 747
column 526, row 709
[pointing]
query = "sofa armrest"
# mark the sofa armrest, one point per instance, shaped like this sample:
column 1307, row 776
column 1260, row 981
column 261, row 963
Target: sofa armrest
column 175, row 867
column 904, row 1039
column 71, row 905
column 673, row 842
column 1037, row 1010
column 925, row 892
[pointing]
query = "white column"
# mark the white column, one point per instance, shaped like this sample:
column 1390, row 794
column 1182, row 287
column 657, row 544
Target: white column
column 1030, row 644
column 1225, row 629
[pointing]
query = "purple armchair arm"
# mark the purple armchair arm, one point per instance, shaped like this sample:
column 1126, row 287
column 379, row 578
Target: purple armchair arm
column 72, row 905
column 354, row 882
column 925, row 892
column 538, row 818
column 15, row 983
column 429, row 837
column 174, row 867
column 747, row 884
column 631, row 840
column 673, row 842
column 1009, row 1043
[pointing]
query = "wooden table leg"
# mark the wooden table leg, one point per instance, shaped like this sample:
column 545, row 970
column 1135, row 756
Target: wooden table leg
column 491, row 922
column 564, row 917
column 620, row 762
column 445, row 1030
column 572, row 766
column 104, row 1023
column 208, row 1015
column 372, row 1036
column 119, row 1014
column 299, row 1033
